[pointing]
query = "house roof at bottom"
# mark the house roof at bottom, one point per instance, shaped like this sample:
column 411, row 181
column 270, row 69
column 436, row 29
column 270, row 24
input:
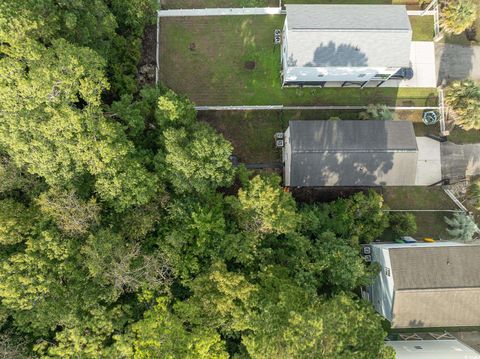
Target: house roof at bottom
column 352, row 153
column 436, row 286
column 348, row 36
column 434, row 308
column 436, row 267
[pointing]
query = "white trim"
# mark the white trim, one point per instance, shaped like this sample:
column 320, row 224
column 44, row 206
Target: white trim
column 221, row 11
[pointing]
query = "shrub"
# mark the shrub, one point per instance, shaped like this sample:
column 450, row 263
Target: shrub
column 403, row 224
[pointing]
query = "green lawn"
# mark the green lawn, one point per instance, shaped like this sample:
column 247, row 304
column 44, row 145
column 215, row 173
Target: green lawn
column 457, row 135
column 429, row 224
column 206, row 59
column 199, row 4
column 250, row 132
column 422, row 27
column 432, row 198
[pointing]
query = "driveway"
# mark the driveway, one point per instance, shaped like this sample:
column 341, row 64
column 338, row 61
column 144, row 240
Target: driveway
column 455, row 62
column 460, row 161
column 429, row 168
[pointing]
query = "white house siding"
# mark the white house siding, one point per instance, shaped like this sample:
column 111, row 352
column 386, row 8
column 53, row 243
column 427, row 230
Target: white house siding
column 316, row 74
column 287, row 157
column 381, row 291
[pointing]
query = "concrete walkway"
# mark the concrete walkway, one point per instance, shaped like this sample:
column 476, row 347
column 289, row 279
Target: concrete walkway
column 460, row 161
column 221, row 11
column 455, row 62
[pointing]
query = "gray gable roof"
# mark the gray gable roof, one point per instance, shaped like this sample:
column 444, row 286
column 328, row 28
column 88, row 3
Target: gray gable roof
column 352, row 153
column 436, row 286
column 435, row 267
column 348, row 17
column 348, row 36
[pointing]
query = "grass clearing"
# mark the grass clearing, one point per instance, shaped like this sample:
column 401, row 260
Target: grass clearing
column 422, row 27
column 250, row 132
column 206, row 59
column 429, row 224
column 200, row 4
column 459, row 136
column 415, row 197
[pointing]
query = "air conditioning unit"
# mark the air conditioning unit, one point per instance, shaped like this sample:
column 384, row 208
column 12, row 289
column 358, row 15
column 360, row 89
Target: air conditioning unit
column 368, row 258
column 279, row 143
column 367, row 250
column 278, row 136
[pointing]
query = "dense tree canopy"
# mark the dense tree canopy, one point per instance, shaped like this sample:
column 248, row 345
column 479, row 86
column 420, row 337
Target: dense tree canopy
column 118, row 238
column 458, row 15
column 463, row 99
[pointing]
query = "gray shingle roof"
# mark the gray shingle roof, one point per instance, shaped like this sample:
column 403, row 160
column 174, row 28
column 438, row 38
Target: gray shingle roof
column 436, row 286
column 348, row 17
column 348, row 36
column 436, row 267
column 436, row 308
column 352, row 153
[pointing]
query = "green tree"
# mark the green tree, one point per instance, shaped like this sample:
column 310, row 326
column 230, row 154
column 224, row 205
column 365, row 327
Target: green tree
column 462, row 227
column 175, row 111
column 219, row 301
column 13, row 347
column 474, row 193
column 45, row 130
column 122, row 266
column 285, row 320
column 197, row 159
column 457, row 15
column 403, row 224
column 343, row 267
column 72, row 215
column 358, row 218
column 16, row 222
column 13, row 178
column 264, row 207
column 162, row 334
column 352, row 329
column 463, row 100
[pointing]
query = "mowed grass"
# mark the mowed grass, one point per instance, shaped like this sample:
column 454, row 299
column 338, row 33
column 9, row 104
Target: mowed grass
column 429, row 224
column 205, row 58
column 425, row 198
column 250, row 132
column 422, row 27
column 459, row 136
column 201, row 4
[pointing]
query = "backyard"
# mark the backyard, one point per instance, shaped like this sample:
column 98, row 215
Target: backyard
column 232, row 60
column 251, row 132
column 429, row 224
column 190, row 4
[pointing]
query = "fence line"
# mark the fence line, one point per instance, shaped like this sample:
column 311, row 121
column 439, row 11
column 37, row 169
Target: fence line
column 157, row 51
column 422, row 210
column 455, row 200
column 282, row 107
column 221, row 11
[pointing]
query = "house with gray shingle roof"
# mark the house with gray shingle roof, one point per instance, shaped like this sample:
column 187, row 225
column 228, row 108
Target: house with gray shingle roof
column 427, row 285
column 351, row 44
column 358, row 153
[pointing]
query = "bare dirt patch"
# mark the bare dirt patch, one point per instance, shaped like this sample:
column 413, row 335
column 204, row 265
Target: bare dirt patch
column 147, row 65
